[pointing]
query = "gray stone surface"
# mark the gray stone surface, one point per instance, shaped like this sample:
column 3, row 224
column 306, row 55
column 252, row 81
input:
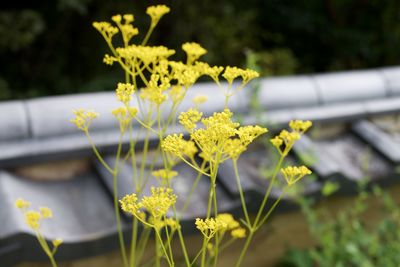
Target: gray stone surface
column 350, row 86
column 288, row 92
column 378, row 139
column 332, row 112
column 382, row 106
column 392, row 80
column 14, row 124
column 50, row 116
column 310, row 153
column 83, row 218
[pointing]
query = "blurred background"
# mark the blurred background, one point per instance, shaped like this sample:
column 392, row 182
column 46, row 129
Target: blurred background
column 50, row 48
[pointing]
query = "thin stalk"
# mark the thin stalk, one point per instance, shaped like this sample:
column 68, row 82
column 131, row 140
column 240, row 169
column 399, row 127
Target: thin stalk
column 116, row 207
column 158, row 256
column 134, row 242
column 239, row 185
column 253, row 228
column 97, row 153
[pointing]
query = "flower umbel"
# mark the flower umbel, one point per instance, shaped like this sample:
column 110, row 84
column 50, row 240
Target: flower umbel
column 83, row 118
column 210, row 226
column 294, row 174
column 156, row 12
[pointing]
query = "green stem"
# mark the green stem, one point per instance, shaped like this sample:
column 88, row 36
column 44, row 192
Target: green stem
column 253, row 227
column 134, row 242
column 170, row 262
column 245, row 247
column 156, row 245
column 262, row 221
column 116, row 207
column 268, row 192
column 241, row 193
column 97, row 153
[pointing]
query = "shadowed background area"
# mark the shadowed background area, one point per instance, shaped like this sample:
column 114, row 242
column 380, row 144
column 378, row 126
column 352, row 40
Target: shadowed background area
column 50, row 48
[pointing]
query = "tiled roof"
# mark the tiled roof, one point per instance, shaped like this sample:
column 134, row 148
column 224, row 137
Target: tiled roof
column 38, row 131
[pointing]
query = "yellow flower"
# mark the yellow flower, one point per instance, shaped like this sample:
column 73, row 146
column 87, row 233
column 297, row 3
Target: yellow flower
column 193, row 51
column 109, row 60
column 221, row 138
column 177, row 146
column 57, row 242
column 231, row 73
column 158, row 203
column 106, row 29
column 172, row 223
column 210, row 226
column 299, row 125
column 238, row 233
column 146, row 54
column 154, row 91
column 248, row 75
column 185, row 75
column 22, row 204
column 294, row 174
column 228, row 220
column 213, row 72
column 129, row 204
column 32, row 219
column 156, row 12
column 189, row 119
column 164, row 174
column 46, row 212
column 83, row 118
column 124, row 116
column 124, row 92
column 276, row 141
column 287, row 138
column 200, row 99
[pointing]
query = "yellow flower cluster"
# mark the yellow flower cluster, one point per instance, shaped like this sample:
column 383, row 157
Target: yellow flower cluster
column 154, row 91
column 46, row 212
column 164, row 174
column 22, row 204
column 238, row 233
column 199, row 99
column 129, row 204
column 83, row 118
column 164, row 222
column 294, row 174
column 231, row 73
column 106, row 29
column 219, row 139
column 156, row 12
column 32, row 218
column 125, row 26
column 210, row 226
column 124, row 92
column 157, row 204
column 57, row 242
column 146, row 54
column 189, row 119
column 124, row 116
column 286, row 138
column 193, row 51
column 228, row 219
column 299, row 125
column 177, row 146
column 232, row 225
